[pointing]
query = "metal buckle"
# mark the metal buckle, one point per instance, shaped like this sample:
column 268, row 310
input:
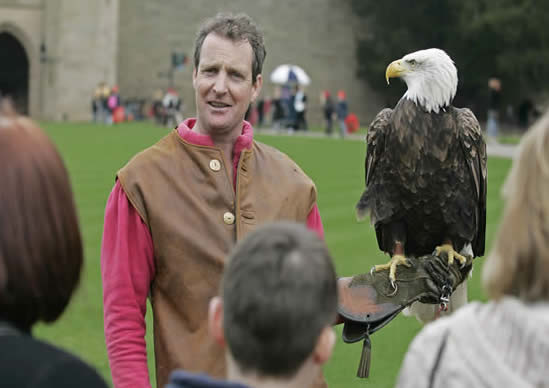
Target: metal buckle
column 445, row 297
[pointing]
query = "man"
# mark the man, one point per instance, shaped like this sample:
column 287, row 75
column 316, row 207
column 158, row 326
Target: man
column 342, row 111
column 178, row 208
column 172, row 107
column 492, row 119
column 300, row 106
column 278, row 302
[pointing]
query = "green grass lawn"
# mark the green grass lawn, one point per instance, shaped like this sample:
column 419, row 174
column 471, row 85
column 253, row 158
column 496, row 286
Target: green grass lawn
column 509, row 139
column 93, row 155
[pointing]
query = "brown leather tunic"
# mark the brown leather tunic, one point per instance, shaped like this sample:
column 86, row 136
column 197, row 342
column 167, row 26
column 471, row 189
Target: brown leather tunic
column 184, row 194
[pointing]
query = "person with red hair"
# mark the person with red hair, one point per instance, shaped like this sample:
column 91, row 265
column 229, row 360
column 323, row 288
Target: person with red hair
column 41, row 257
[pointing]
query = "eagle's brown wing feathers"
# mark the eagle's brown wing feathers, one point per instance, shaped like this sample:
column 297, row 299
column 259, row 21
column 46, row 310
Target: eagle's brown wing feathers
column 375, row 146
column 474, row 149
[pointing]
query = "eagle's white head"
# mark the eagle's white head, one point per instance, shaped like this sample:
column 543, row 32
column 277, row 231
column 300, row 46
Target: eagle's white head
column 430, row 75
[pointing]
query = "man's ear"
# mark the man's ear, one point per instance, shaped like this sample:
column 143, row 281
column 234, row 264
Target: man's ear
column 194, row 77
column 215, row 320
column 324, row 346
column 256, row 87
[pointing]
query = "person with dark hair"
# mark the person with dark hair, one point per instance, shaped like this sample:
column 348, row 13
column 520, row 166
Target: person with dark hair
column 300, row 107
column 328, row 110
column 178, row 207
column 275, row 313
column 504, row 342
column 40, row 257
column 291, row 119
column 278, row 109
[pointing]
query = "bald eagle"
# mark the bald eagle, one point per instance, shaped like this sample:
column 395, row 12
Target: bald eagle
column 425, row 167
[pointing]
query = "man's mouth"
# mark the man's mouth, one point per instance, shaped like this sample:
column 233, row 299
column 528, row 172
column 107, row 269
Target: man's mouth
column 217, row 104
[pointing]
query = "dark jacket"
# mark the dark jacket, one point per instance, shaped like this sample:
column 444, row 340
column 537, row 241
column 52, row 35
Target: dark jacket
column 182, row 379
column 28, row 362
column 328, row 108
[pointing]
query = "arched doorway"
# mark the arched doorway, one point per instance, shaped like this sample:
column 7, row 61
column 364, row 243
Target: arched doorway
column 14, row 71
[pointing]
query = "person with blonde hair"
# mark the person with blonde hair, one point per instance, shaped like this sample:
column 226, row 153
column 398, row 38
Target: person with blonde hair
column 504, row 342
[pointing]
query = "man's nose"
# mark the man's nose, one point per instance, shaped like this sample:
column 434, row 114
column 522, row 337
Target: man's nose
column 220, row 84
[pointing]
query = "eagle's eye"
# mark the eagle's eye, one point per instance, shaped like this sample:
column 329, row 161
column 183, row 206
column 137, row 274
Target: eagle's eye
column 412, row 62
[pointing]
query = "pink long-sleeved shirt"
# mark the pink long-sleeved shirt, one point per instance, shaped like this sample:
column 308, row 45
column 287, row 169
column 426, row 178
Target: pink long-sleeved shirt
column 127, row 269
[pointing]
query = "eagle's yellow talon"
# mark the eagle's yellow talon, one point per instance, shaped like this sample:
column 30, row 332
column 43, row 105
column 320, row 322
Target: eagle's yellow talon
column 395, row 261
column 392, row 274
column 462, row 259
column 381, row 267
column 452, row 254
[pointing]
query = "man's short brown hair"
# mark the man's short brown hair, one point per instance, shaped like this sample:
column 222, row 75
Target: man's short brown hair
column 40, row 243
column 237, row 28
column 279, row 292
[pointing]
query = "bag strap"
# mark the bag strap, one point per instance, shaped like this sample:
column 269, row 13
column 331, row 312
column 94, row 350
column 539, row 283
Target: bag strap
column 436, row 365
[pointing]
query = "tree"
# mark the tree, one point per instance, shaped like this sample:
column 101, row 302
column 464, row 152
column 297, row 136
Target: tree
column 507, row 39
column 514, row 35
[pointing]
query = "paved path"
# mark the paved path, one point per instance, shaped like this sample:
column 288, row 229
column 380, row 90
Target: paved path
column 493, row 149
column 502, row 150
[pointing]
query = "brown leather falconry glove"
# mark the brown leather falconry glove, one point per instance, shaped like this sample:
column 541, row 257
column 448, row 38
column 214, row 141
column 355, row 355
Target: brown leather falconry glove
column 367, row 302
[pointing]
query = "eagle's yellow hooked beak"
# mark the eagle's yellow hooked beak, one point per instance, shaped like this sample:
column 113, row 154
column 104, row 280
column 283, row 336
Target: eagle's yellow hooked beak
column 395, row 69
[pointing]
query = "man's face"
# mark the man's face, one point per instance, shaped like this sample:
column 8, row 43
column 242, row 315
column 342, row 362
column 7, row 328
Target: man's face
column 223, row 85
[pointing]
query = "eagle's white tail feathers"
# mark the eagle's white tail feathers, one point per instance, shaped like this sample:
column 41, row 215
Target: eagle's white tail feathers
column 362, row 213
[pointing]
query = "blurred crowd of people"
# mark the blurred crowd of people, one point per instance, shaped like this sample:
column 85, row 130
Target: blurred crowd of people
column 167, row 108
column 287, row 109
column 107, row 107
column 337, row 111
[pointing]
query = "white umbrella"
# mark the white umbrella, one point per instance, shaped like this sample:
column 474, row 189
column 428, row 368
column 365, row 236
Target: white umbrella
column 284, row 74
